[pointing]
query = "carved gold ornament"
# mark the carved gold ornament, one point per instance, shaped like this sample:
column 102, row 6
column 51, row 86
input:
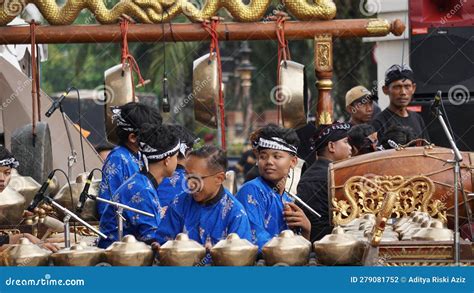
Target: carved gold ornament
column 365, row 195
column 156, row 11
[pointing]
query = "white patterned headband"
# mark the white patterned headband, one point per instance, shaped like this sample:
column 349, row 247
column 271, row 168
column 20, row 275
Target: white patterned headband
column 155, row 155
column 120, row 121
column 278, row 144
column 9, row 162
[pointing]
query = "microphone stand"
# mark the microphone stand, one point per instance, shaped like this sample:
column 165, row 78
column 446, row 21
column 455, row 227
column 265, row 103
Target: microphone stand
column 67, row 217
column 71, row 159
column 457, row 173
column 120, row 208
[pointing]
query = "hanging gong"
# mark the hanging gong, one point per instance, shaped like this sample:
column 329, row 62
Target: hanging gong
column 118, row 91
column 292, row 94
column 206, row 90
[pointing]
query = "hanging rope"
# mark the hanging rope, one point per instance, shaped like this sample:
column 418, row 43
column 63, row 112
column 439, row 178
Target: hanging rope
column 283, row 55
column 211, row 28
column 128, row 58
column 35, row 92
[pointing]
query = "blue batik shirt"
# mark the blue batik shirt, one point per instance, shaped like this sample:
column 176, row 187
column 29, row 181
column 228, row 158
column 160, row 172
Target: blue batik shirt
column 209, row 222
column 264, row 207
column 171, row 187
column 138, row 192
column 119, row 165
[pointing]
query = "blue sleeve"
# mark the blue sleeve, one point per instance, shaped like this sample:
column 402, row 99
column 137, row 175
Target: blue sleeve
column 146, row 227
column 171, row 225
column 113, row 174
column 250, row 197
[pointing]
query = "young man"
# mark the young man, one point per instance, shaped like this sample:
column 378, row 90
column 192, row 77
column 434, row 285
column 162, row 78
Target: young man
column 331, row 144
column 359, row 105
column 207, row 212
column 159, row 147
column 269, row 207
column 7, row 162
column 176, row 184
column 124, row 160
column 400, row 87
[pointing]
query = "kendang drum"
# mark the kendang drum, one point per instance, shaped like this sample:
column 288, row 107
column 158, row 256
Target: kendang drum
column 422, row 177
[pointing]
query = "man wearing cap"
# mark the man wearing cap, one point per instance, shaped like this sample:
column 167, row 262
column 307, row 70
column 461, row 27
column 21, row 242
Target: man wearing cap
column 399, row 87
column 331, row 144
column 360, row 105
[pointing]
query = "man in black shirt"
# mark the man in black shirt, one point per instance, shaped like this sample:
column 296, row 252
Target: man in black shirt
column 331, row 144
column 399, row 87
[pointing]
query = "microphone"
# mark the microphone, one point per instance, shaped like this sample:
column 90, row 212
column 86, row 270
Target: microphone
column 393, row 144
column 437, row 100
column 84, row 193
column 57, row 103
column 40, row 194
column 166, row 104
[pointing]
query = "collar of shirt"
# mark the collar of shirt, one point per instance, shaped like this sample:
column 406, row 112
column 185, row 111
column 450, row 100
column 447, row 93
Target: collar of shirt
column 215, row 199
column 179, row 167
column 151, row 178
column 272, row 186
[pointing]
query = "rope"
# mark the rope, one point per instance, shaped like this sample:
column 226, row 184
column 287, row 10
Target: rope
column 127, row 57
column 36, row 115
column 283, row 55
column 211, row 28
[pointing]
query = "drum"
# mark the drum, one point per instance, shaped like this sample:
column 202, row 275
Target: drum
column 422, row 177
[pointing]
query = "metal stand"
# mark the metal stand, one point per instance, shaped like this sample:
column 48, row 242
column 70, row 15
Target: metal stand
column 457, row 173
column 72, row 159
column 304, row 204
column 120, row 208
column 66, row 219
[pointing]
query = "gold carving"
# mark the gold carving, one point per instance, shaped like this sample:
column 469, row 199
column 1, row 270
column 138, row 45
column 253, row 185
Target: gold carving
column 156, row 11
column 365, row 196
column 378, row 27
column 325, row 118
column 323, row 51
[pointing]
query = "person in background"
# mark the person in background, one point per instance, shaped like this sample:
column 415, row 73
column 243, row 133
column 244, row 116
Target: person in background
column 359, row 105
column 7, row 163
column 207, row 212
column 331, row 144
column 174, row 185
column 399, row 87
column 160, row 147
column 124, row 160
column 269, row 207
column 396, row 136
column 363, row 139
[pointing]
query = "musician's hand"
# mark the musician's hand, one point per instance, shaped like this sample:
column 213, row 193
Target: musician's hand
column 155, row 246
column 15, row 239
column 296, row 218
column 49, row 246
